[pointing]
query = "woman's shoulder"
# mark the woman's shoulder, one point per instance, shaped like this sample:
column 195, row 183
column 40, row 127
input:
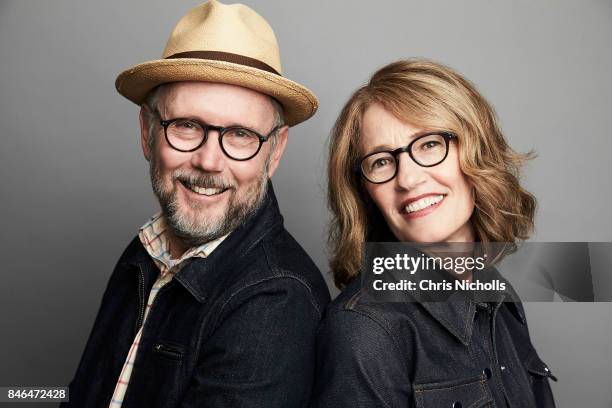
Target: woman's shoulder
column 369, row 315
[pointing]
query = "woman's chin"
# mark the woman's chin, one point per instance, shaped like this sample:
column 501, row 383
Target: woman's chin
column 426, row 237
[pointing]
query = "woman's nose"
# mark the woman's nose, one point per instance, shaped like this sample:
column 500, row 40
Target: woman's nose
column 409, row 173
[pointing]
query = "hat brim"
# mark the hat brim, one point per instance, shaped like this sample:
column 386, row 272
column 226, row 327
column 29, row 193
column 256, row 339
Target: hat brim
column 298, row 102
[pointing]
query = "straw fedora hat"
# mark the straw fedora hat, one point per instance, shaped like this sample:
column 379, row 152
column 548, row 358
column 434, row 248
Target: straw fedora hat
column 229, row 44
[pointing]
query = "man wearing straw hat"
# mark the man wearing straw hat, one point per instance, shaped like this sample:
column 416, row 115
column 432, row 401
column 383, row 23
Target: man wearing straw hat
column 213, row 303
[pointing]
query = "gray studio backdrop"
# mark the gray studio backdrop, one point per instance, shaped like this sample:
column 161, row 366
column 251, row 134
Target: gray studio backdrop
column 75, row 186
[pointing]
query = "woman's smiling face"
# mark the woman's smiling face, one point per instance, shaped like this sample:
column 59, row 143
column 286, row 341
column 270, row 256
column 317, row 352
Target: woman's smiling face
column 420, row 204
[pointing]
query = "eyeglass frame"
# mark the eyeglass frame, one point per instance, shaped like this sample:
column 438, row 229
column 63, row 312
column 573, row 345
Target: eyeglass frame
column 221, row 130
column 448, row 136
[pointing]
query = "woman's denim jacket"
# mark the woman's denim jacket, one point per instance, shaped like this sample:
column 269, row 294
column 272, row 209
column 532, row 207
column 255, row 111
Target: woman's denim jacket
column 452, row 354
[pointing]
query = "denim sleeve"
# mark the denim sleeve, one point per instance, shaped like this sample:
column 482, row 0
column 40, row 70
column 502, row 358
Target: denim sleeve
column 359, row 365
column 262, row 352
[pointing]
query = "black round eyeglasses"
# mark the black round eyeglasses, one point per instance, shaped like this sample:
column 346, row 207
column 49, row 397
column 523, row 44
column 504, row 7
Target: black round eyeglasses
column 237, row 143
column 427, row 150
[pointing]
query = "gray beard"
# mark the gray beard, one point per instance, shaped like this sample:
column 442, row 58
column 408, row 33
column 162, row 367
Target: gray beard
column 196, row 230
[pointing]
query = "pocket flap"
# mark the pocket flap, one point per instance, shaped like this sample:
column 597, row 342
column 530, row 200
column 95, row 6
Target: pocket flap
column 169, row 350
column 463, row 393
column 536, row 366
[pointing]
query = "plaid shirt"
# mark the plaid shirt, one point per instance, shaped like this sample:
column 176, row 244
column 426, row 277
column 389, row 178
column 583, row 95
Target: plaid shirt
column 154, row 238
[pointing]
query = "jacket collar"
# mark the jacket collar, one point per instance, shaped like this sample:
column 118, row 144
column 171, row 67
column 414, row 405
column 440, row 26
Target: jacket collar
column 201, row 275
column 456, row 313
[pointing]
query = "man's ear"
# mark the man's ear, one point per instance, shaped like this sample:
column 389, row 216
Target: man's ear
column 144, row 132
column 281, row 143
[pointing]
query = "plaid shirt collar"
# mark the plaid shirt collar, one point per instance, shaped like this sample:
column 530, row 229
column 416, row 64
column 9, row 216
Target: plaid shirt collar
column 155, row 239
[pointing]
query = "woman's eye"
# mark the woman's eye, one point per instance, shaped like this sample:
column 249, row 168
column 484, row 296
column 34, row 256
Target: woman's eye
column 380, row 163
column 431, row 144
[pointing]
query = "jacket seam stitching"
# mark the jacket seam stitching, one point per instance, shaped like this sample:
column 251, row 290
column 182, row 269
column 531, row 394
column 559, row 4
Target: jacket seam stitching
column 236, row 293
column 379, row 324
column 278, row 270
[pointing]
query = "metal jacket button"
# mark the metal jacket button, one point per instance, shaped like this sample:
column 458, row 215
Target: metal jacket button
column 487, row 372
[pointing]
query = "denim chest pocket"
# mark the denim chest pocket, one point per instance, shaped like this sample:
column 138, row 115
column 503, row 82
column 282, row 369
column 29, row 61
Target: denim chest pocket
column 462, row 393
column 168, row 351
column 538, row 369
column 539, row 373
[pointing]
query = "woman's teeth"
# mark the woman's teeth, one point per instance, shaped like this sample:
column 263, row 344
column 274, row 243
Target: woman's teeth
column 423, row 203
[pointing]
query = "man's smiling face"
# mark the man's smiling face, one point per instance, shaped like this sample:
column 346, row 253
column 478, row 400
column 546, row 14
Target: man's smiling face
column 204, row 194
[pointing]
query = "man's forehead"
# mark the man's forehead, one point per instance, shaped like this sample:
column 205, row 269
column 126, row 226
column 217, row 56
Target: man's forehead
column 216, row 103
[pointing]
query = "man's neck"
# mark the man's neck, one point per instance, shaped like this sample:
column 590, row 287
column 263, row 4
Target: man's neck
column 176, row 246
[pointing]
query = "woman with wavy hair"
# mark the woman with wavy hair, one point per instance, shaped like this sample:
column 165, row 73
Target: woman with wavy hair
column 417, row 156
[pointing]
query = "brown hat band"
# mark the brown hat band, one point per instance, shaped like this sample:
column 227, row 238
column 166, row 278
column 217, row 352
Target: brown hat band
column 226, row 57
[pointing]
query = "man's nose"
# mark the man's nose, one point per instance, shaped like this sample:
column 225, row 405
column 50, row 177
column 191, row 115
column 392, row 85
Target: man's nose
column 409, row 173
column 209, row 157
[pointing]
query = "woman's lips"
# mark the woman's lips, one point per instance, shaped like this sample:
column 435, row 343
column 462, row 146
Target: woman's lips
column 422, row 206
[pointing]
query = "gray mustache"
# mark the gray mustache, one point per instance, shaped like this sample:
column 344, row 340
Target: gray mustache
column 202, row 180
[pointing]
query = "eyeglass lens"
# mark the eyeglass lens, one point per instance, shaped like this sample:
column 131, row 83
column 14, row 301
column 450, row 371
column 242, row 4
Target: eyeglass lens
column 238, row 143
column 426, row 151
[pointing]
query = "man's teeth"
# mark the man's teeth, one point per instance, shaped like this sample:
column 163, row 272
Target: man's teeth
column 423, row 203
column 206, row 191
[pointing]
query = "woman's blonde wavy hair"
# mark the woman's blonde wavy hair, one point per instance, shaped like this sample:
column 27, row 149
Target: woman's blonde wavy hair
column 431, row 96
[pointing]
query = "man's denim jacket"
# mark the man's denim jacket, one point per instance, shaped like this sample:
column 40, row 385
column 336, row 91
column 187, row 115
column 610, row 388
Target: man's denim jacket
column 236, row 329
column 457, row 353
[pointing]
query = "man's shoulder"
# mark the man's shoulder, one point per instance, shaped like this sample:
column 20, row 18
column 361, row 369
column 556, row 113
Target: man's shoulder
column 286, row 257
column 279, row 259
column 133, row 252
